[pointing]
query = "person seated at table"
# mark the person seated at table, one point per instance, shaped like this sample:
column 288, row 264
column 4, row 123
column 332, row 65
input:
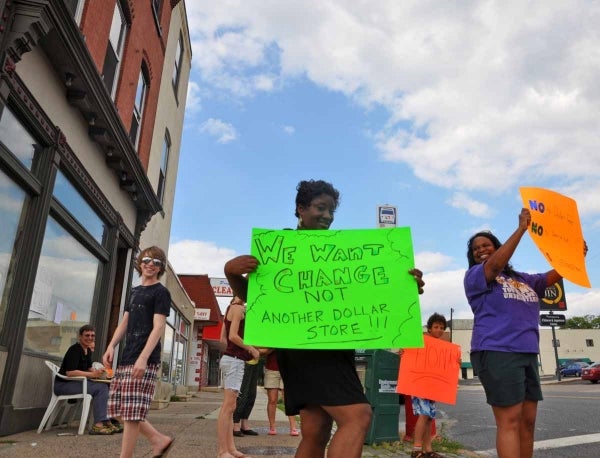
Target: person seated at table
column 78, row 363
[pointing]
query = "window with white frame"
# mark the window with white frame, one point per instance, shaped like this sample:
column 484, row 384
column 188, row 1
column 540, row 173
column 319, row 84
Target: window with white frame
column 162, row 173
column 589, row 342
column 138, row 107
column 114, row 49
column 177, row 67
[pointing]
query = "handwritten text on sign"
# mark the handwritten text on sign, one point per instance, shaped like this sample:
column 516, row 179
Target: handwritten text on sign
column 324, row 289
column 556, row 230
column 430, row 372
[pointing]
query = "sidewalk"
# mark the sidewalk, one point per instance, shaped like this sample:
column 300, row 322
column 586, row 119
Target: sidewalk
column 192, row 423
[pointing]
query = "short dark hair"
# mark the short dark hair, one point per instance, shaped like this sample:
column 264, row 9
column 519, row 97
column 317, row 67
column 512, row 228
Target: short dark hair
column 86, row 327
column 308, row 190
column 153, row 252
column 436, row 318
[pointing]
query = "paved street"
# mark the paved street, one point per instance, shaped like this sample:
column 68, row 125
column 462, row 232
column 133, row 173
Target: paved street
column 192, row 423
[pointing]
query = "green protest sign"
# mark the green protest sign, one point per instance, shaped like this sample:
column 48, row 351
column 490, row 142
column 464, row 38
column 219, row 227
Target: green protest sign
column 320, row 289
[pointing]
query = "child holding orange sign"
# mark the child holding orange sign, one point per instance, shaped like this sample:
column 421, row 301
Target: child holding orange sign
column 424, row 409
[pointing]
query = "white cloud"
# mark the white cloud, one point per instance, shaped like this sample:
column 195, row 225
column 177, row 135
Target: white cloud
column 199, row 257
column 428, row 261
column 581, row 304
column 224, row 132
column 443, row 291
column 481, row 96
column 290, row 130
column 193, row 101
column 472, row 206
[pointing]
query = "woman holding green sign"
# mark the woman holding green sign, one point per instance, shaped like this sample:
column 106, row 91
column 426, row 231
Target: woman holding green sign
column 320, row 385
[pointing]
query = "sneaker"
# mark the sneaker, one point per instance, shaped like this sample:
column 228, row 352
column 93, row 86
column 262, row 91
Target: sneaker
column 115, row 425
column 103, row 430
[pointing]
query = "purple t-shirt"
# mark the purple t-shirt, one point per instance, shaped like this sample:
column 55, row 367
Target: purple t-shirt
column 506, row 310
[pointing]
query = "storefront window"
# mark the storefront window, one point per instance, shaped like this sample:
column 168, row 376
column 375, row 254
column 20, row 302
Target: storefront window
column 179, row 360
column 70, row 198
column 12, row 200
column 17, row 139
column 167, row 349
column 63, row 292
column 174, row 349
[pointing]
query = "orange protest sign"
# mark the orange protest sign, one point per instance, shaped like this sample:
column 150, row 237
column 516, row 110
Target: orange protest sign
column 430, row 372
column 556, row 231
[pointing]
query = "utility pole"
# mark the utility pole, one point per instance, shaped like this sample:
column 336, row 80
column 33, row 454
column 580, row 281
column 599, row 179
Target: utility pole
column 554, row 344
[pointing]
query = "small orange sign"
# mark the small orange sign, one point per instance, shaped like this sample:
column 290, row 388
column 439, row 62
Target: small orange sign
column 556, row 231
column 430, row 372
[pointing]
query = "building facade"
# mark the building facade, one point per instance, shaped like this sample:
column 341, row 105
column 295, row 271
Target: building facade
column 85, row 176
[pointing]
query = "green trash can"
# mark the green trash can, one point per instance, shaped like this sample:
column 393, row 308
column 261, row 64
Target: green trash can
column 378, row 372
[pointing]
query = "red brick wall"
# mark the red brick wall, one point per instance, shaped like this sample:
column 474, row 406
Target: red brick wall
column 142, row 42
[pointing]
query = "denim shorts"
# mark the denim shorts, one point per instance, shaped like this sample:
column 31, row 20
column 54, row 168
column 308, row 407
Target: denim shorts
column 233, row 372
column 508, row 378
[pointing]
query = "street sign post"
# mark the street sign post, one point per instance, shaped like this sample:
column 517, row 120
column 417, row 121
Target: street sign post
column 552, row 320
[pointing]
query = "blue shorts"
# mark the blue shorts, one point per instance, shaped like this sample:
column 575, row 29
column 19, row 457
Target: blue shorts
column 233, row 372
column 423, row 407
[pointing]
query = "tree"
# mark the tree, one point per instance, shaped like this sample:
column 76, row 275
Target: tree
column 583, row 322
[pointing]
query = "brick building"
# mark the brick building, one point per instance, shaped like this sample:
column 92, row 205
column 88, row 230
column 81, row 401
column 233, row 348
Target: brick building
column 92, row 98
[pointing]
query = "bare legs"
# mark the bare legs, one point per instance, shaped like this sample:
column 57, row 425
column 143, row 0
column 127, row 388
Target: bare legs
column 316, row 422
column 423, row 432
column 131, row 431
column 226, row 446
column 272, row 399
column 515, row 426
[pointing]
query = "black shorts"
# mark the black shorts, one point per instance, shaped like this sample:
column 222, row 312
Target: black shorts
column 508, row 378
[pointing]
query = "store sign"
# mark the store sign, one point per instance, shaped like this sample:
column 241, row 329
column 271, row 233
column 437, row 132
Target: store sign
column 202, row 314
column 554, row 298
column 221, row 287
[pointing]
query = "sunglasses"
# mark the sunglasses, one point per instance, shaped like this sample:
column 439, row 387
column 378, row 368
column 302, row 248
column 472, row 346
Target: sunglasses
column 148, row 260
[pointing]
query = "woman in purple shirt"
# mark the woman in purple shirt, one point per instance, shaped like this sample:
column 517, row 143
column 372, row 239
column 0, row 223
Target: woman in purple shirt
column 505, row 340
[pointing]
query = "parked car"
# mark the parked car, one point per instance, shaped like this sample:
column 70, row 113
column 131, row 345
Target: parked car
column 568, row 362
column 591, row 373
column 575, row 369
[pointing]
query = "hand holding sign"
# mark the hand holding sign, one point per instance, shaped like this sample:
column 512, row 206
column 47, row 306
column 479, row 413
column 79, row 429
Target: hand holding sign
column 556, row 230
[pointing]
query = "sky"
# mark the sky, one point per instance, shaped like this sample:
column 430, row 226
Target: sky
column 442, row 109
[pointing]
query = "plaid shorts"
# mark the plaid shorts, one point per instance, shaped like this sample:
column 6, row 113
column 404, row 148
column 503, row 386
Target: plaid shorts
column 130, row 398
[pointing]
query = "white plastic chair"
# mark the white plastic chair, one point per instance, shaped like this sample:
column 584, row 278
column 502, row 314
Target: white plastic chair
column 56, row 399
